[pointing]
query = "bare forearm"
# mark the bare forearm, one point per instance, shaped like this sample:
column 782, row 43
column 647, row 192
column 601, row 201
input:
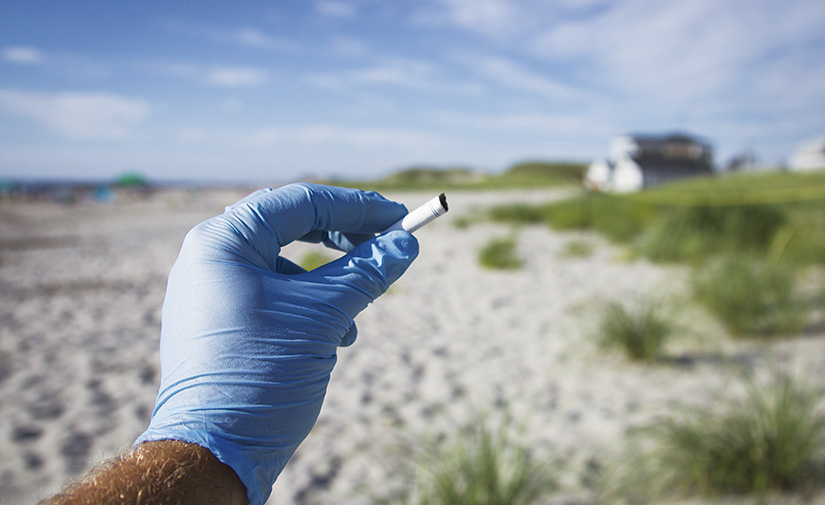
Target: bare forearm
column 168, row 472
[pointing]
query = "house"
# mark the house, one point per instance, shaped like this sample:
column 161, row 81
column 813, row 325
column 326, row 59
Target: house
column 641, row 161
column 809, row 156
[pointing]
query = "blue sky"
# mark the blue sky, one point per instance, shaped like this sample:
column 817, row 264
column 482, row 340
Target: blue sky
column 278, row 90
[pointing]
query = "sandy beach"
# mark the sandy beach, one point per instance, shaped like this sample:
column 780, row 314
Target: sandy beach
column 80, row 294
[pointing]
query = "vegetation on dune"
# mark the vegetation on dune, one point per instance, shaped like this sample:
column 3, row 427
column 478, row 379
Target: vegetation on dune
column 500, row 254
column 766, row 228
column 751, row 295
column 482, row 463
column 638, row 330
column 747, row 238
column 695, row 233
column 532, row 174
column 683, row 220
column 578, row 248
column 768, row 439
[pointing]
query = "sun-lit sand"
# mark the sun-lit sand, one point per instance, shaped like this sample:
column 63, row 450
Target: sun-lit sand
column 80, row 294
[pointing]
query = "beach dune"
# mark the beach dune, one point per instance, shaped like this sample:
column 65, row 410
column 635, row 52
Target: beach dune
column 80, row 294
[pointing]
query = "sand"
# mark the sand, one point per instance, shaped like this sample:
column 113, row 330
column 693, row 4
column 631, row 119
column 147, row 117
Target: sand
column 80, row 294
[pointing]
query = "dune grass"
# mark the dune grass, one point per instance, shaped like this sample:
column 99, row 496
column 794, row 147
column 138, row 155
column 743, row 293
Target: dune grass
column 578, row 248
column 483, row 463
column 639, row 330
column 500, row 254
column 752, row 295
column 528, row 174
column 698, row 218
column 693, row 234
column 764, row 227
column 769, row 439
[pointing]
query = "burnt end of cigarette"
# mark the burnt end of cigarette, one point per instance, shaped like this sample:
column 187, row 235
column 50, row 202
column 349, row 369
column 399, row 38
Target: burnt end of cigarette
column 422, row 215
column 443, row 199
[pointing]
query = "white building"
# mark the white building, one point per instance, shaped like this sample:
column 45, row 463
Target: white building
column 640, row 161
column 809, row 156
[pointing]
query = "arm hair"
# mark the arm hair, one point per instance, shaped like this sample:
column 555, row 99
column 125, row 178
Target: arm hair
column 168, row 472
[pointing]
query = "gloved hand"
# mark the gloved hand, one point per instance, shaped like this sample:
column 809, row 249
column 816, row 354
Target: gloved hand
column 249, row 339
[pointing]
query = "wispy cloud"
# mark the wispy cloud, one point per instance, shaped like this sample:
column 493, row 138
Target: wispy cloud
column 78, row 115
column 531, row 123
column 213, row 75
column 336, row 9
column 489, row 17
column 321, row 134
column 514, row 75
column 235, row 77
column 386, row 74
column 22, row 54
column 397, row 72
column 253, row 37
column 680, row 51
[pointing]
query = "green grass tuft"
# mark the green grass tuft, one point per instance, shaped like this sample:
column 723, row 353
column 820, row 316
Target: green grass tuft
column 751, row 296
column 639, row 331
column 695, row 219
column 772, row 439
column 500, row 254
column 518, row 213
column 578, row 248
column 693, row 234
column 482, row 465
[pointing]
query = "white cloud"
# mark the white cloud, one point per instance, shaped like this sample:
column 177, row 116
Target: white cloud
column 252, row 37
column 530, row 123
column 679, row 51
column 363, row 138
column 22, row 54
column 78, row 115
column 235, row 77
column 516, row 76
column 222, row 76
column 489, row 17
column 399, row 72
column 336, row 9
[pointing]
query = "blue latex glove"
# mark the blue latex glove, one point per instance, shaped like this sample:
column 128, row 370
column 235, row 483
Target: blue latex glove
column 249, row 339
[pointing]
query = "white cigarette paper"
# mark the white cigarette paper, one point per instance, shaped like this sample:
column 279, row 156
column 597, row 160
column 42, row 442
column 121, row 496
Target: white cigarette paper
column 422, row 215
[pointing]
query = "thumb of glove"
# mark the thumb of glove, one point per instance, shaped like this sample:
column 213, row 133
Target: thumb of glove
column 366, row 272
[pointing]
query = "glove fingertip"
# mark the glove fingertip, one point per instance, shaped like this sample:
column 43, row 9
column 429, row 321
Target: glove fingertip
column 402, row 247
column 349, row 338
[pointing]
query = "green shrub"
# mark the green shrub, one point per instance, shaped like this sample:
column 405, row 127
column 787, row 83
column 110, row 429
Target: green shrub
column 617, row 218
column 538, row 171
column 500, row 254
column 639, row 331
column 751, row 296
column 806, row 240
column 694, row 219
column 518, row 213
column 770, row 439
column 425, row 177
column 697, row 232
column 578, row 249
column 482, row 465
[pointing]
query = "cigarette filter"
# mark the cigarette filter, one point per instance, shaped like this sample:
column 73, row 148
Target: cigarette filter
column 422, row 215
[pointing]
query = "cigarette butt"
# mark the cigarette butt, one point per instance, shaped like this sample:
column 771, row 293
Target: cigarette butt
column 422, row 215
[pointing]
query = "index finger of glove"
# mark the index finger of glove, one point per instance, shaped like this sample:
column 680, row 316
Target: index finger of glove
column 293, row 211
